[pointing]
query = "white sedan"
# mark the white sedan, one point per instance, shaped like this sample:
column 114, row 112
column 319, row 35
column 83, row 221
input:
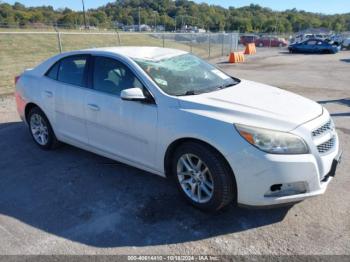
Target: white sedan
column 221, row 139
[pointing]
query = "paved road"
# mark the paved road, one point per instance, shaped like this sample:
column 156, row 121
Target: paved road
column 69, row 201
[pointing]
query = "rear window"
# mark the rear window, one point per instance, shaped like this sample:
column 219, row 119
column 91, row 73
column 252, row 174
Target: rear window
column 53, row 71
column 72, row 70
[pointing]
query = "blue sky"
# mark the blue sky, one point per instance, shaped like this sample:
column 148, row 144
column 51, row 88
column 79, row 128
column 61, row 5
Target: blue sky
column 320, row 6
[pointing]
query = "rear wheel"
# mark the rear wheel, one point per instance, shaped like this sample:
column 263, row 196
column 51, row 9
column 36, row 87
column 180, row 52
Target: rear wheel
column 41, row 130
column 203, row 177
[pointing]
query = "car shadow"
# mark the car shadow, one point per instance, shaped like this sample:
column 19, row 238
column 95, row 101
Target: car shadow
column 96, row 201
column 303, row 54
column 343, row 102
column 345, row 60
column 340, row 114
column 285, row 52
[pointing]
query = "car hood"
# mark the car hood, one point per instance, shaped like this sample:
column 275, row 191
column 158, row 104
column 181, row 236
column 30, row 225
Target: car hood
column 254, row 104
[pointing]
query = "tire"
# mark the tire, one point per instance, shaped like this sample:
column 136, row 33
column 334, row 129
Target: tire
column 40, row 129
column 219, row 175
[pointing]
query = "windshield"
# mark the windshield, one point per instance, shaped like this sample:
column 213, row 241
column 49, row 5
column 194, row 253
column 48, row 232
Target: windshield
column 186, row 75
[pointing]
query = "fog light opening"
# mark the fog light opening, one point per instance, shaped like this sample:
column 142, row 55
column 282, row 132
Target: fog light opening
column 276, row 187
column 288, row 189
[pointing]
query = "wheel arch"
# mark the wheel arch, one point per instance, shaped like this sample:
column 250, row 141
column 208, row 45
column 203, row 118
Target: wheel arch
column 29, row 106
column 175, row 144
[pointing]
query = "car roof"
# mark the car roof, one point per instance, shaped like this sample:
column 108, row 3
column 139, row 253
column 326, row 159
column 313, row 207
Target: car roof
column 140, row 52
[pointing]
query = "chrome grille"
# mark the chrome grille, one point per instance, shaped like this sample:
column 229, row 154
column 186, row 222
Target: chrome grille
column 326, row 146
column 324, row 128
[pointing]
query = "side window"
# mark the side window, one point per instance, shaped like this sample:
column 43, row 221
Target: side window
column 311, row 42
column 111, row 76
column 53, row 71
column 72, row 70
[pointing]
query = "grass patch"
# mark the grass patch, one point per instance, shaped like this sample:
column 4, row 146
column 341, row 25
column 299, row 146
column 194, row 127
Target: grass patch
column 21, row 51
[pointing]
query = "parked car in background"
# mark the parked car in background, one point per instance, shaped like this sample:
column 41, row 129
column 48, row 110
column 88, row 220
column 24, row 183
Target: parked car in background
column 335, row 39
column 303, row 37
column 314, row 46
column 222, row 140
column 346, row 44
column 247, row 39
column 267, row 41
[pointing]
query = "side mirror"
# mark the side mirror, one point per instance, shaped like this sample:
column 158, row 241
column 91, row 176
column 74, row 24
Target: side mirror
column 133, row 94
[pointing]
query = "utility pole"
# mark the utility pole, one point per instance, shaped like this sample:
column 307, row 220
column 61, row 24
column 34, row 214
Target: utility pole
column 139, row 21
column 175, row 24
column 84, row 14
column 155, row 21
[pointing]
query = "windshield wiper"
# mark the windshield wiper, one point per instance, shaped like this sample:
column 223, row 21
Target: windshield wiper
column 189, row 93
column 227, row 85
column 197, row 92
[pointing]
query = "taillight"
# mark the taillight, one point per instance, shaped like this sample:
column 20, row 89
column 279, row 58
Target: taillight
column 16, row 79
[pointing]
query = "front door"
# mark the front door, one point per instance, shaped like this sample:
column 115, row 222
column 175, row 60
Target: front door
column 126, row 129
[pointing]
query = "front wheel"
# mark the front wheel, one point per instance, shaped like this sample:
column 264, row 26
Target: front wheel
column 203, row 177
column 41, row 130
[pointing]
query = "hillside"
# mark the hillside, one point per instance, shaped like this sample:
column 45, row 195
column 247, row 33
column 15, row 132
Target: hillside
column 253, row 18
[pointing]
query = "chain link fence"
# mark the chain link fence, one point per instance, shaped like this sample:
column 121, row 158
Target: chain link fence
column 21, row 49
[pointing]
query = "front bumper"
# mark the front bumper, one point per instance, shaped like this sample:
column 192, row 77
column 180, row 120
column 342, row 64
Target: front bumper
column 287, row 174
column 266, row 180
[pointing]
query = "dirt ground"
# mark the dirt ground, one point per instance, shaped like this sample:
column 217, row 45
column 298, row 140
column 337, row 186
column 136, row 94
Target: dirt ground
column 70, row 201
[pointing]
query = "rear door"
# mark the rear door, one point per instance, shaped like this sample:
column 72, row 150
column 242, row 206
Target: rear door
column 70, row 92
column 49, row 86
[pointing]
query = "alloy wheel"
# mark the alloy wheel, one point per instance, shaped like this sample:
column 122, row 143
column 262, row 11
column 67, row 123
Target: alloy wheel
column 195, row 178
column 39, row 129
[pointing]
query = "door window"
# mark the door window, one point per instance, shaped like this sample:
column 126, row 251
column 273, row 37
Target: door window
column 312, row 42
column 53, row 71
column 111, row 76
column 72, row 70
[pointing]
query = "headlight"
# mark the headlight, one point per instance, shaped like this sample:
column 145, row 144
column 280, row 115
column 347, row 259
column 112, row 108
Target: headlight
column 271, row 141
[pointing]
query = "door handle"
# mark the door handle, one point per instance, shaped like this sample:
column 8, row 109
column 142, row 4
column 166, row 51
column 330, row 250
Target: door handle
column 94, row 107
column 48, row 93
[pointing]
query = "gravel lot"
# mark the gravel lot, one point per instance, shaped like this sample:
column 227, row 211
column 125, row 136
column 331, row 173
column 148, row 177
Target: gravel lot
column 69, row 201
